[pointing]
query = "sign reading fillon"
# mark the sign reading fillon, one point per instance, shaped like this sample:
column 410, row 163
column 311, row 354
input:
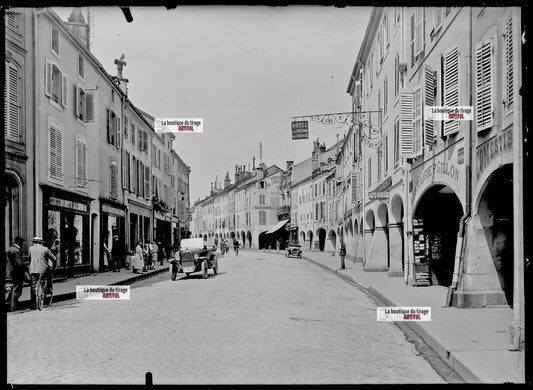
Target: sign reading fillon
column 300, row 130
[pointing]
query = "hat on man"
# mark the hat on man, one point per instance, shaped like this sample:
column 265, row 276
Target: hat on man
column 37, row 239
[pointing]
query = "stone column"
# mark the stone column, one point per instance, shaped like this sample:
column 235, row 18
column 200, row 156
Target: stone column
column 378, row 254
column 367, row 241
column 396, row 249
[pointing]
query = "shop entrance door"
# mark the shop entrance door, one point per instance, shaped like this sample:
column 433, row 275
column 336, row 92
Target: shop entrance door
column 438, row 214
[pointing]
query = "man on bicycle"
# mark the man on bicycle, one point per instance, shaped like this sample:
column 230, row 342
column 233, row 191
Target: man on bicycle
column 41, row 261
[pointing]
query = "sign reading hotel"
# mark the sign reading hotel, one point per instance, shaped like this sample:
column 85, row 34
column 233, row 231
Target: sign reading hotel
column 178, row 125
column 446, row 113
column 300, row 130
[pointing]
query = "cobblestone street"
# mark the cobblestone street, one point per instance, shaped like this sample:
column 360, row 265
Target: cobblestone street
column 262, row 319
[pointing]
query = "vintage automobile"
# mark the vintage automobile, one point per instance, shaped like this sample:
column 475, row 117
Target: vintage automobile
column 294, row 249
column 194, row 255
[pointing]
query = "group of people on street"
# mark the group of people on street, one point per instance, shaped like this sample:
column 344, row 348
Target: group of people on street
column 147, row 255
column 39, row 267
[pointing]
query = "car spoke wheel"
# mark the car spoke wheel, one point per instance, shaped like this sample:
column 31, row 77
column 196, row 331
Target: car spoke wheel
column 204, row 269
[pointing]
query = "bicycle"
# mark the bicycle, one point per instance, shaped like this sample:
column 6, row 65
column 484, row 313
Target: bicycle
column 40, row 292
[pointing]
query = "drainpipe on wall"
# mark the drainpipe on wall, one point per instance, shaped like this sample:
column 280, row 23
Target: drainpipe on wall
column 37, row 210
column 463, row 222
column 517, row 325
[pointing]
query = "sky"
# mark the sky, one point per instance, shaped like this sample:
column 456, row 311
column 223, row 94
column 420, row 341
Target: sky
column 245, row 70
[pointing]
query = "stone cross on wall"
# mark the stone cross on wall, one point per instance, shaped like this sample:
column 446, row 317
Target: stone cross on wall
column 120, row 63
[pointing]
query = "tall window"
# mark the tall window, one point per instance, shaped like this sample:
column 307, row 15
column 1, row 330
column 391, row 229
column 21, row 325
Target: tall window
column 385, row 154
column 133, row 132
column 261, row 199
column 55, row 41
column 81, row 162
column 12, row 103
column 56, row 85
column 396, row 141
column 81, row 66
column 55, row 153
column 262, row 217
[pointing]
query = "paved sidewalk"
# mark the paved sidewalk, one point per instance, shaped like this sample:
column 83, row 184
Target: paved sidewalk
column 66, row 289
column 473, row 342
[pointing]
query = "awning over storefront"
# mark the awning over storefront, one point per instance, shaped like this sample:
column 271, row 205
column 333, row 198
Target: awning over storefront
column 278, row 226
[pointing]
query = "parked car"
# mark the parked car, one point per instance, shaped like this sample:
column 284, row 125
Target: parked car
column 194, row 255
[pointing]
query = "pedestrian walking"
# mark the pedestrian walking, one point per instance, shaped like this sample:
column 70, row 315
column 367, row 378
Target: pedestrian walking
column 115, row 254
column 236, row 246
column 15, row 270
column 154, row 254
column 342, row 253
column 41, row 260
column 277, row 245
column 147, row 257
column 138, row 259
column 161, row 256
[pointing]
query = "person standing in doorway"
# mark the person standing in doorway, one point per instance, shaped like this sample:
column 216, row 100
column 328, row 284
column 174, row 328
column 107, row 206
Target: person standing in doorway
column 342, row 253
column 15, row 269
column 115, row 254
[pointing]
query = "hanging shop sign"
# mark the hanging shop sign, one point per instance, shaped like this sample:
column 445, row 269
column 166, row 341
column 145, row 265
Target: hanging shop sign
column 492, row 149
column 300, row 130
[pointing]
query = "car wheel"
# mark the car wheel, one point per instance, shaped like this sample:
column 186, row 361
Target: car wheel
column 173, row 272
column 215, row 267
column 204, row 269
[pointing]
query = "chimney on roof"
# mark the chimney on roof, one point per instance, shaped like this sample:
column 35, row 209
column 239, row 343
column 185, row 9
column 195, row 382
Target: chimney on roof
column 289, row 165
column 227, row 181
column 79, row 27
column 212, row 191
column 322, row 148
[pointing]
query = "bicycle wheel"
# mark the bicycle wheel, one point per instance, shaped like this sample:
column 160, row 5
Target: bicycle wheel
column 39, row 295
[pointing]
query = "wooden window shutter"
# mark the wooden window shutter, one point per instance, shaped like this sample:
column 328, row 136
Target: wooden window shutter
column 119, row 133
column 451, row 87
column 141, row 180
column 418, row 104
column 124, row 170
column 12, row 108
column 64, row 90
column 412, row 49
column 90, row 107
column 132, row 173
column 508, row 60
column 114, row 180
column 147, row 182
column 406, row 124
column 81, row 163
column 48, row 79
column 77, row 101
column 419, row 32
column 484, row 81
column 55, row 153
column 430, row 82
column 108, row 116
column 126, row 127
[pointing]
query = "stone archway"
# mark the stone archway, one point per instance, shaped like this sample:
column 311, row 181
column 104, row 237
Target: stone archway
column 436, row 231
column 243, row 239
column 302, row 239
column 332, row 236
column 493, row 245
column 396, row 239
column 310, row 237
column 370, row 223
column 321, row 234
column 249, row 239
